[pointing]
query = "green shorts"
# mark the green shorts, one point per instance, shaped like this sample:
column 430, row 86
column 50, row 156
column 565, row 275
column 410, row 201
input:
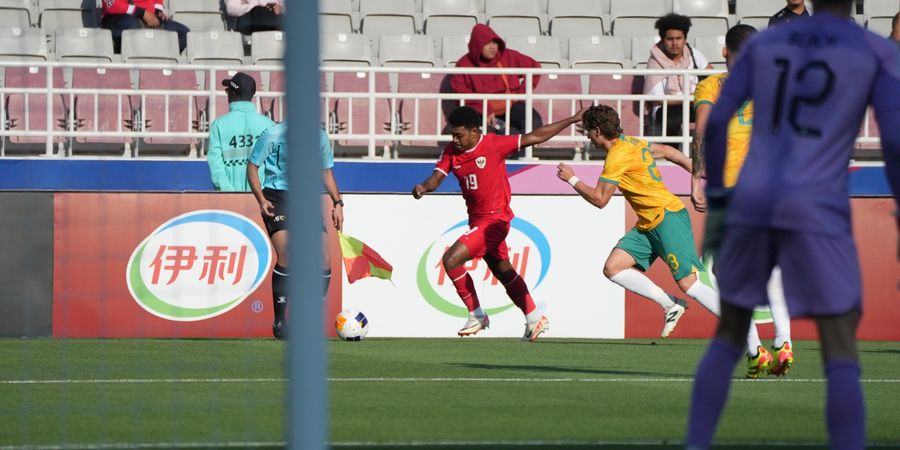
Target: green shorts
column 671, row 240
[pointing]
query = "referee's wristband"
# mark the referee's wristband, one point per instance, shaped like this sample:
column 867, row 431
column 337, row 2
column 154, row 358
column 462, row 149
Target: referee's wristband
column 573, row 180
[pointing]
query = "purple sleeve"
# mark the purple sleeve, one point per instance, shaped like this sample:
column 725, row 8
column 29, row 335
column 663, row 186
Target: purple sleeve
column 886, row 101
column 736, row 90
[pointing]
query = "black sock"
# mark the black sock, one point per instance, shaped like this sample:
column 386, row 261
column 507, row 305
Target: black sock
column 326, row 281
column 279, row 291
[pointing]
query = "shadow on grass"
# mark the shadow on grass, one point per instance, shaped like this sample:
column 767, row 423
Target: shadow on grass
column 554, row 369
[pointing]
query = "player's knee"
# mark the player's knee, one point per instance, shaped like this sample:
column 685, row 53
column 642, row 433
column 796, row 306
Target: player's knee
column 610, row 270
column 449, row 261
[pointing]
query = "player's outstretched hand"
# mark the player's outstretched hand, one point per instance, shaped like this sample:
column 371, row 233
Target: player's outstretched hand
column 267, row 208
column 580, row 113
column 564, row 172
column 418, row 191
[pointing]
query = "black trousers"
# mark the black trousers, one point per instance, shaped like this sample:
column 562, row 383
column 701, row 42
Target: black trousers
column 259, row 18
column 516, row 119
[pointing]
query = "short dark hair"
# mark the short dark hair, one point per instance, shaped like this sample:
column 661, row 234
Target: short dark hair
column 736, row 37
column 603, row 118
column 673, row 21
column 894, row 20
column 464, row 116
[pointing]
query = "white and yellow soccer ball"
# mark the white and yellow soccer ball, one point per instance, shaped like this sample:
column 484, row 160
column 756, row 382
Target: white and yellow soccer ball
column 351, row 325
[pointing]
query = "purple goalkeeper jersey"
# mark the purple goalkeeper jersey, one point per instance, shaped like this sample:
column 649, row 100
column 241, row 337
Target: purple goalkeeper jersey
column 810, row 82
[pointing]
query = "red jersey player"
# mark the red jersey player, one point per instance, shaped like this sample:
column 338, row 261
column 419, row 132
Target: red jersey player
column 479, row 163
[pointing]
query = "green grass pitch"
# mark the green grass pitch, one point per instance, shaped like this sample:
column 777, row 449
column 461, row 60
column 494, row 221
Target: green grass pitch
column 413, row 393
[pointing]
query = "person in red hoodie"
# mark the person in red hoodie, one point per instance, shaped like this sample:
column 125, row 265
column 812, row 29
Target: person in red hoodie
column 120, row 15
column 487, row 49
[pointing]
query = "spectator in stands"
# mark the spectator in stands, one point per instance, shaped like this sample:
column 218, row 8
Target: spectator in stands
column 255, row 15
column 232, row 136
column 895, row 29
column 120, row 15
column 486, row 49
column 795, row 9
column 673, row 52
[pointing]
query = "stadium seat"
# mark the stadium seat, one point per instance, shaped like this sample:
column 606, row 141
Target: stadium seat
column 100, row 111
column 453, row 48
column 515, row 26
column 640, row 50
column 516, row 17
column 880, row 25
column 597, row 52
column 708, row 17
column 448, row 17
column 555, row 110
column 62, row 14
column 346, row 50
column 407, row 51
column 630, row 19
column 272, row 97
column 756, row 13
column 23, row 44
column 84, row 45
column 620, row 86
column 351, row 116
column 215, row 47
column 420, row 115
column 389, row 17
column 15, row 14
column 880, row 8
column 150, row 46
column 170, row 112
column 571, row 18
column 267, row 47
column 28, row 111
column 643, row 8
column 711, row 47
column 337, row 16
column 198, row 15
column 544, row 49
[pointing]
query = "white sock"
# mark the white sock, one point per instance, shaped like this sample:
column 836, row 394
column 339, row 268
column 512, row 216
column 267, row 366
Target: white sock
column 534, row 316
column 780, row 315
column 753, row 340
column 477, row 313
column 638, row 283
column 709, row 298
column 706, row 296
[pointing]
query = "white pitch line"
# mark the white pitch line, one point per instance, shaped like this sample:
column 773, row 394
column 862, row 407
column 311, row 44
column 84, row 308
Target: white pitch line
column 419, row 380
column 147, row 445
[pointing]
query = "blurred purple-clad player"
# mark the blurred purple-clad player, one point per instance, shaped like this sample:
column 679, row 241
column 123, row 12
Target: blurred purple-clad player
column 811, row 81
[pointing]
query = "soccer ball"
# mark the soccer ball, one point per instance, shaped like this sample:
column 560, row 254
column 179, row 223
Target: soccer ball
column 351, row 325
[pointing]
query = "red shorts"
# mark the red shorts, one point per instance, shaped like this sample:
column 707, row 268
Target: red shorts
column 487, row 237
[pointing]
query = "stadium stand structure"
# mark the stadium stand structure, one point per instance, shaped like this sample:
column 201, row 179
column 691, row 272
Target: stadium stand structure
column 571, row 36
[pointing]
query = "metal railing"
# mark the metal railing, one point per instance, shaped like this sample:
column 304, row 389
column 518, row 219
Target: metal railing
column 202, row 106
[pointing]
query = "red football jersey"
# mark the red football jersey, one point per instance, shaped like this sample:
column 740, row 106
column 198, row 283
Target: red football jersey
column 481, row 172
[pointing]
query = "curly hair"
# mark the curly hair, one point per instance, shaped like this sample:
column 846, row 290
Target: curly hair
column 603, row 118
column 673, row 21
column 464, row 116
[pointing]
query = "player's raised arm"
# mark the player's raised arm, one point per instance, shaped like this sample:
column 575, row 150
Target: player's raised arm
column 671, row 154
column 430, row 184
column 546, row 132
column 596, row 195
